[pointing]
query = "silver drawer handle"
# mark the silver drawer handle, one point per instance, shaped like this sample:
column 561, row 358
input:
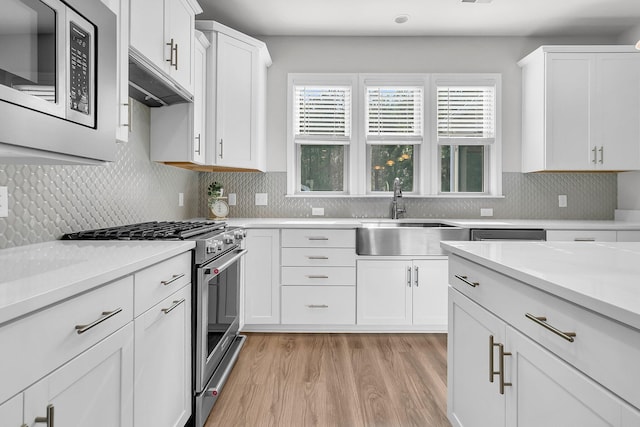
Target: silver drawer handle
column 48, row 419
column 317, row 276
column 317, row 238
column 173, row 279
column 468, row 282
column 105, row 315
column 542, row 321
column 584, row 239
column 170, row 309
column 317, row 257
column 317, row 306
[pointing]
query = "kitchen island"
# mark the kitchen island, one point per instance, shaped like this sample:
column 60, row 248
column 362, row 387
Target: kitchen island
column 546, row 332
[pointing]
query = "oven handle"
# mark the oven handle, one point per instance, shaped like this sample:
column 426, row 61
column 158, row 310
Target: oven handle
column 239, row 253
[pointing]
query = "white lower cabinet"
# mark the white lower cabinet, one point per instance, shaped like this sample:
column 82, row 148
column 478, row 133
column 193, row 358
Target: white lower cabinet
column 92, row 389
column 402, row 292
column 262, row 277
column 318, row 305
column 11, row 411
column 163, row 362
column 582, row 235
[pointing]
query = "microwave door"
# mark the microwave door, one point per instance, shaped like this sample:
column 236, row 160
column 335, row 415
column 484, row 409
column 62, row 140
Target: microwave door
column 31, row 71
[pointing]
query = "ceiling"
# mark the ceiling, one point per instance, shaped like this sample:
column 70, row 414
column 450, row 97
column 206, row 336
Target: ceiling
column 426, row 17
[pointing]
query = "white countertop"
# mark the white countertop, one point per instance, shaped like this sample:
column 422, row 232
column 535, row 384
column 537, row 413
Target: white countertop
column 35, row 276
column 464, row 223
column 603, row 277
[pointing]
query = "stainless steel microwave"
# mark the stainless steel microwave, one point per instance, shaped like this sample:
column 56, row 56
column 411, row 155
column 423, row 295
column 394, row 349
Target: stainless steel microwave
column 57, row 76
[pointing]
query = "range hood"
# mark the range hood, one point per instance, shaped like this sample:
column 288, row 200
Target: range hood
column 150, row 86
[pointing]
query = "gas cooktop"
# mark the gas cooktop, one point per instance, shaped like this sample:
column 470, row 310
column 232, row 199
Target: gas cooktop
column 154, row 230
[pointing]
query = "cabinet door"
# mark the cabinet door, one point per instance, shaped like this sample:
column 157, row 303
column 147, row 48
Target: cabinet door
column 262, row 277
column 430, row 279
column 384, row 292
column 547, row 391
column 147, row 30
column 92, row 389
column 199, row 104
column 11, row 411
column 569, row 82
column 616, row 123
column 472, row 399
column 235, row 131
column 581, row 235
column 162, row 389
column 179, row 27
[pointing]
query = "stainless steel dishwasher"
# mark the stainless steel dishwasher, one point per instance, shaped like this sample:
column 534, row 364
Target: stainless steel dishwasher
column 508, row 234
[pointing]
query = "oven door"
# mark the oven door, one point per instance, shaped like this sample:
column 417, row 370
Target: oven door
column 217, row 305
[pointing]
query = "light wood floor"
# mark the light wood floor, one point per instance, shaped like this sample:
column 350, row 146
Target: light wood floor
column 350, row 380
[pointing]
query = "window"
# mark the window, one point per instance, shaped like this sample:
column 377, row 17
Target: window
column 394, row 128
column 465, row 133
column 322, row 133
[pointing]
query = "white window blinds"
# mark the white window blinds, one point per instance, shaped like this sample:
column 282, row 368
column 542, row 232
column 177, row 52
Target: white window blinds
column 322, row 114
column 466, row 115
column 394, row 113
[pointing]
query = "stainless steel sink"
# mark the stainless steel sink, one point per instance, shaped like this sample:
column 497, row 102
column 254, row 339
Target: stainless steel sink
column 402, row 238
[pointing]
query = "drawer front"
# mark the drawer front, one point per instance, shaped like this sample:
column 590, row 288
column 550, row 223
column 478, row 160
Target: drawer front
column 581, row 235
column 303, row 257
column 313, row 238
column 157, row 282
column 602, row 348
column 37, row 344
column 319, row 305
column 319, row 276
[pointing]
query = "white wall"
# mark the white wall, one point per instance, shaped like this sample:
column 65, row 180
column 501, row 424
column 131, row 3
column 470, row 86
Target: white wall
column 403, row 55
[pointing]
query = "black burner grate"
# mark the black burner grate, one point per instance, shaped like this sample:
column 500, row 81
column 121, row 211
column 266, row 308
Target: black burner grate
column 165, row 230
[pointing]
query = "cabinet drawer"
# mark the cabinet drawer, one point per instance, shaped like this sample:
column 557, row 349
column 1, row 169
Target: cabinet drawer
column 157, row 282
column 581, row 235
column 37, row 344
column 310, row 238
column 603, row 349
column 319, row 305
column 334, row 257
column 319, row 276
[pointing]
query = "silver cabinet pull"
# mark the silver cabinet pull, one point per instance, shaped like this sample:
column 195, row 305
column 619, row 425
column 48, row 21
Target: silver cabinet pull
column 48, row 419
column 409, row 276
column 173, row 306
column 595, row 155
column 198, row 138
column 173, row 279
column 317, row 276
column 105, row 315
column 584, row 239
column 601, row 150
column 171, row 50
column 465, row 280
column 492, row 373
column 176, row 64
column 317, row 306
column 415, row 281
column 502, row 354
column 317, row 257
column 317, row 238
column 221, row 148
column 542, row 321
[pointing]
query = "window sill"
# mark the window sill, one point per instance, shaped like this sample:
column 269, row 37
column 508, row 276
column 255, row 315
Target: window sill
column 390, row 195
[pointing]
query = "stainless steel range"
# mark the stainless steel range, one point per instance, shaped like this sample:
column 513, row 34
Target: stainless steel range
column 216, row 296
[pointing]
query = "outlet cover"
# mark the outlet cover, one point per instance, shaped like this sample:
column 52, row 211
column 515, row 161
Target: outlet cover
column 562, row 200
column 317, row 211
column 486, row 212
column 261, row 199
column 232, row 199
column 4, row 202
column 180, row 199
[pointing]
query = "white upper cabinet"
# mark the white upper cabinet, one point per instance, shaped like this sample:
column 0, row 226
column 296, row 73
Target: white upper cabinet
column 162, row 33
column 580, row 109
column 236, row 103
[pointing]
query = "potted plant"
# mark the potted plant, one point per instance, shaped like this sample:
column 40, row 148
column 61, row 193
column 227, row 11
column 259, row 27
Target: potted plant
column 214, row 192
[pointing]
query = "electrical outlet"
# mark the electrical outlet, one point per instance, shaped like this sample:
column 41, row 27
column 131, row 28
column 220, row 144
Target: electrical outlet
column 317, row 211
column 180, row 199
column 4, row 202
column 232, row 199
column 562, row 200
column 486, row 212
column 261, row 199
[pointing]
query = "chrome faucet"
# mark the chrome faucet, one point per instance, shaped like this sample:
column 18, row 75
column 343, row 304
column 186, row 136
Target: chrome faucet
column 396, row 210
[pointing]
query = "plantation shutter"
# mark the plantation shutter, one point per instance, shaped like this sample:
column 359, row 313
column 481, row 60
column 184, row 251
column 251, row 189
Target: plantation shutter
column 394, row 114
column 466, row 115
column 322, row 114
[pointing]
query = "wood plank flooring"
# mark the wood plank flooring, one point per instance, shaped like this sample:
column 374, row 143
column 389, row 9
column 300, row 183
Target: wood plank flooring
column 376, row 380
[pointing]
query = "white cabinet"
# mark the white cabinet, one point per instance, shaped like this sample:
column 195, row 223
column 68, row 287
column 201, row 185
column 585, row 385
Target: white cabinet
column 262, row 277
column 11, row 411
column 178, row 131
column 628, row 235
column 580, row 108
column 162, row 36
column 402, row 292
column 163, row 362
column 582, row 235
column 121, row 9
column 92, row 389
column 236, row 105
